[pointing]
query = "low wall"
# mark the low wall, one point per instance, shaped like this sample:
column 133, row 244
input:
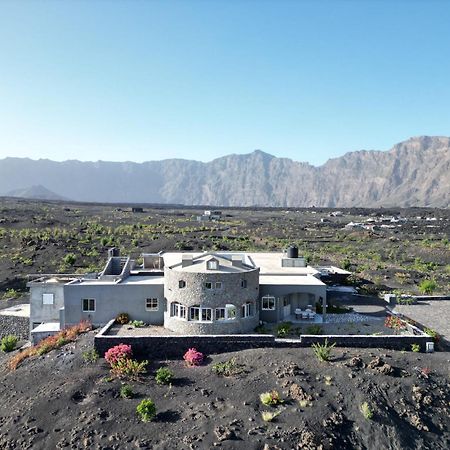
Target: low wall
column 16, row 325
column 174, row 346
column 400, row 342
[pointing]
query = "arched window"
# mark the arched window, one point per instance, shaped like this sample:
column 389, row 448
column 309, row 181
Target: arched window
column 247, row 309
column 212, row 264
column 226, row 313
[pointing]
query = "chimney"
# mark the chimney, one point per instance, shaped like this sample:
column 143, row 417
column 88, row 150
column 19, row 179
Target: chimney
column 236, row 260
column 186, row 260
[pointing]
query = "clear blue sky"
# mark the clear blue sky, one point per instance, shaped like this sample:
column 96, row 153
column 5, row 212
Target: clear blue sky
column 143, row 80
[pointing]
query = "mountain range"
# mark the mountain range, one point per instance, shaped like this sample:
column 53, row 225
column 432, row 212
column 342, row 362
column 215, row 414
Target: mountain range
column 415, row 172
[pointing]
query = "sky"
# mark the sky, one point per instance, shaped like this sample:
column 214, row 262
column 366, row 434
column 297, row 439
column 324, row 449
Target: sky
column 149, row 80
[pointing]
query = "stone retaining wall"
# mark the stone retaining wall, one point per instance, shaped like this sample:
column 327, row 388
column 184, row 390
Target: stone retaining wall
column 18, row 326
column 160, row 347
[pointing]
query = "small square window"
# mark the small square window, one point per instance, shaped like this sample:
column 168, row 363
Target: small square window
column 88, row 304
column 218, row 285
column 182, row 284
column 208, row 285
column 151, row 304
column 48, row 299
column 268, row 303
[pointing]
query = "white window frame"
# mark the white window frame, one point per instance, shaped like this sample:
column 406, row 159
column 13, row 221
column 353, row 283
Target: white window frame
column 89, row 304
column 247, row 309
column 48, row 299
column 181, row 284
column 177, row 310
column 227, row 312
column 202, row 313
column 243, row 283
column 152, row 307
column 268, row 299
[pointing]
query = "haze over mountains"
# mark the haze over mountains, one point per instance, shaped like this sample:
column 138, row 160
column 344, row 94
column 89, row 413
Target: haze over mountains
column 413, row 173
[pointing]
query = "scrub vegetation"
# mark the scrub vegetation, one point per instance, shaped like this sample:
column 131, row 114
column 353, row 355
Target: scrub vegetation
column 51, row 237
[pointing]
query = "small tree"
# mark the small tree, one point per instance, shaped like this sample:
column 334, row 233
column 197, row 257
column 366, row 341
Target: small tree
column 427, row 286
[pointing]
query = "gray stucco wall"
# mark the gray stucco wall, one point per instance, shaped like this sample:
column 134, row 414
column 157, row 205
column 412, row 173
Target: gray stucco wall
column 111, row 300
column 39, row 312
column 195, row 293
column 300, row 299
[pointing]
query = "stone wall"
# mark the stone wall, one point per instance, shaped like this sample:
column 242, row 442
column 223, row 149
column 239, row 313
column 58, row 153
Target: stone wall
column 18, row 326
column 160, row 347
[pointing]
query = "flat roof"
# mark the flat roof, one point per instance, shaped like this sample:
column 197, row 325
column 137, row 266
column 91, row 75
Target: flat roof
column 290, row 280
column 268, row 262
column 45, row 327
column 131, row 280
column 22, row 310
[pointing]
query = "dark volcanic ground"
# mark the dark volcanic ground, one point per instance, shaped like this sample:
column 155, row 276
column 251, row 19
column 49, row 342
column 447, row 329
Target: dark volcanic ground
column 60, row 401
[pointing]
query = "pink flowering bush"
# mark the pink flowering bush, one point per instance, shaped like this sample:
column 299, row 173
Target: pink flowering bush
column 117, row 353
column 193, row 357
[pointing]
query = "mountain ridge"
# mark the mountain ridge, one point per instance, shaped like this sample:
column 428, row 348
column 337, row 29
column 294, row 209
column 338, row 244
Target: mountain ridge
column 412, row 173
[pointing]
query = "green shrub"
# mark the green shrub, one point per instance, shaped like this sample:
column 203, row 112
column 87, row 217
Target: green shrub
column 261, row 329
column 427, row 287
column 323, row 351
column 366, row 411
column 11, row 293
column 270, row 398
column 434, row 334
column 146, row 410
column 137, row 323
column 283, row 329
column 70, row 259
column 8, row 343
column 90, row 356
column 415, row 347
column 164, row 375
column 314, row 329
column 126, row 391
column 227, row 368
column 129, row 368
column 268, row 416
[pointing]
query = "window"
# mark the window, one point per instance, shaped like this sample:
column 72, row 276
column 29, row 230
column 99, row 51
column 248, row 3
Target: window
column 181, row 284
column 196, row 313
column 212, row 264
column 151, row 304
column 218, row 285
column 285, row 301
column 243, row 283
column 247, row 309
column 177, row 310
column 88, row 304
column 208, row 285
column 47, row 299
column 268, row 303
column 227, row 313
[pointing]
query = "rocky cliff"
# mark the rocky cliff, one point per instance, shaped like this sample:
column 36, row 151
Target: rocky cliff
column 413, row 173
